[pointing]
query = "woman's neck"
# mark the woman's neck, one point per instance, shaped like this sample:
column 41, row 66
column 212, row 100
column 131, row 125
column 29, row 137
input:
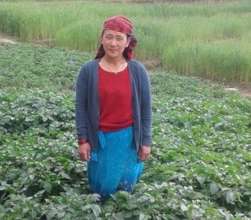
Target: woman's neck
column 113, row 64
column 113, row 61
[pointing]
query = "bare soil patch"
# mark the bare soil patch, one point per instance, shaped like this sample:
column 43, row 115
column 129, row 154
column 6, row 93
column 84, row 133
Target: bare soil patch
column 4, row 39
column 243, row 88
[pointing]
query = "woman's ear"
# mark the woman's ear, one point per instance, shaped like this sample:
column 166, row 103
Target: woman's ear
column 101, row 37
column 128, row 41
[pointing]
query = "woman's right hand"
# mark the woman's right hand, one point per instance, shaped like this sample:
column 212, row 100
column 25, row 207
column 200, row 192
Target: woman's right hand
column 85, row 151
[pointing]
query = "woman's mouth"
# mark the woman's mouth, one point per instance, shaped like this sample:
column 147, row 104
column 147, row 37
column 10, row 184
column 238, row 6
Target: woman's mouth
column 112, row 50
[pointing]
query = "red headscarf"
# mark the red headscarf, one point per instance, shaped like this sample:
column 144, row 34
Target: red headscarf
column 124, row 25
column 119, row 23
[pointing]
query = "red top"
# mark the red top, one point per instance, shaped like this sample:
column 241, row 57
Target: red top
column 115, row 98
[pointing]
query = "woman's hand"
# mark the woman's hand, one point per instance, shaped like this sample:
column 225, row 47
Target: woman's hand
column 144, row 152
column 85, row 151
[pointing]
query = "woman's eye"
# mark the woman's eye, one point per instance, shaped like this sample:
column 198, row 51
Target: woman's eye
column 119, row 38
column 109, row 37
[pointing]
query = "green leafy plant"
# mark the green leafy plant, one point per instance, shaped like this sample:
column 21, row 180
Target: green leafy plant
column 200, row 162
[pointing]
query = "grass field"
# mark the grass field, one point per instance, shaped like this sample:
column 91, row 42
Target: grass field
column 199, row 168
column 209, row 39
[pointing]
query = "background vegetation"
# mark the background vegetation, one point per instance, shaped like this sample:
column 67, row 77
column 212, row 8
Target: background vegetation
column 209, row 39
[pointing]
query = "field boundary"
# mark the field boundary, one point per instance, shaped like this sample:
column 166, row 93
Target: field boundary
column 244, row 89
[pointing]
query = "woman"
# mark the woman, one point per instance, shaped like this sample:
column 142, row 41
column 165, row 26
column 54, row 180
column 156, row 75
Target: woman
column 113, row 111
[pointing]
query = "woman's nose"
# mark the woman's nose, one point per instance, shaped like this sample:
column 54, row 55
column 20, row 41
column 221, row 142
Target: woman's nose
column 113, row 41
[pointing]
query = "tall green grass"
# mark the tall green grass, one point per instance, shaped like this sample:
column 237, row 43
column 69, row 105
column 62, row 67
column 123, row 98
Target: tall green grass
column 203, row 39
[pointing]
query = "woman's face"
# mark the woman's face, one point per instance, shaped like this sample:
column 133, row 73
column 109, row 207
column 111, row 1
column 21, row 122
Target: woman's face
column 114, row 43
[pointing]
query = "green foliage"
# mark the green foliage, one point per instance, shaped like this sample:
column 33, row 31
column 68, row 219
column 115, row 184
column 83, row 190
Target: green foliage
column 200, row 163
column 24, row 67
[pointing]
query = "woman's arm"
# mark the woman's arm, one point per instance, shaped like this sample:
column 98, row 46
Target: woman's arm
column 81, row 105
column 146, row 108
column 81, row 115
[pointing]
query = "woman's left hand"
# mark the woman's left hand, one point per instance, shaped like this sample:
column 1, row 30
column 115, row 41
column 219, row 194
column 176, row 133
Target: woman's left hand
column 144, row 152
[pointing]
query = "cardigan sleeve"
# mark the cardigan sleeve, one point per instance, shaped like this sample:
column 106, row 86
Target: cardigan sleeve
column 146, row 108
column 81, row 104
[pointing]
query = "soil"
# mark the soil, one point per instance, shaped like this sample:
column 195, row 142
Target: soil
column 4, row 39
column 243, row 88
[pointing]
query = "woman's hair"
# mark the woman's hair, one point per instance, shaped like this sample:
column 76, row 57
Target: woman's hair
column 127, row 53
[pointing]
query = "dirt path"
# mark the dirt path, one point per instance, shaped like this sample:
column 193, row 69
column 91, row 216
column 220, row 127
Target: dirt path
column 244, row 89
column 4, row 39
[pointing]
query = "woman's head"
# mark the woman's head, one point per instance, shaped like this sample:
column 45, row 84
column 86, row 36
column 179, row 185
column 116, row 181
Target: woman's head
column 117, row 38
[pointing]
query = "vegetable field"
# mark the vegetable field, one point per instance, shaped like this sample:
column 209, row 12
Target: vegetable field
column 200, row 167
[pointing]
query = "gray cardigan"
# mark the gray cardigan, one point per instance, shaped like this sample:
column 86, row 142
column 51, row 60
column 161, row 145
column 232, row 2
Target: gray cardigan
column 87, row 103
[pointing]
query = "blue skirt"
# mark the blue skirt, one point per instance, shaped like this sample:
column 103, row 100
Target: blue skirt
column 114, row 164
